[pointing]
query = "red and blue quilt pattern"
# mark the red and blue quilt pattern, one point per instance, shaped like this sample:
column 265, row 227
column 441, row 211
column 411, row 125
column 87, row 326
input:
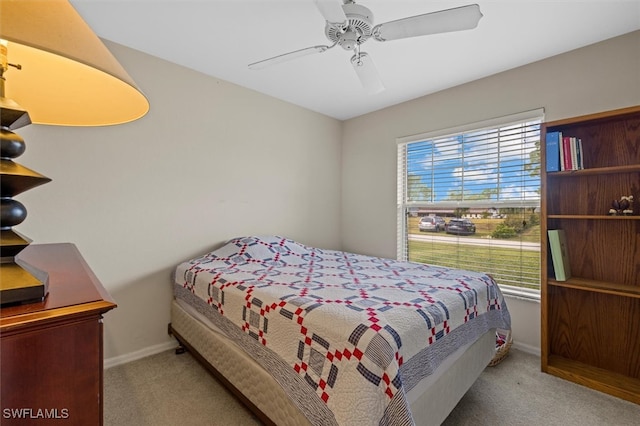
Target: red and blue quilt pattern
column 342, row 323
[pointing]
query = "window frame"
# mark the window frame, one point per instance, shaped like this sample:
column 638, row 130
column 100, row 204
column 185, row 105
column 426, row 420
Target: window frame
column 402, row 234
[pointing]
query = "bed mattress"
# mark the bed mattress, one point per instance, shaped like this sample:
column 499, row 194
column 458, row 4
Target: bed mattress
column 288, row 296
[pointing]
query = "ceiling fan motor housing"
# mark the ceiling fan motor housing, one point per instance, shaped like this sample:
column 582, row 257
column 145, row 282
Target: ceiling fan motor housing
column 358, row 29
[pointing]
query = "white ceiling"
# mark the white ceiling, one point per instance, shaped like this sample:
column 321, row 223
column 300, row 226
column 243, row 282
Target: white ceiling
column 221, row 37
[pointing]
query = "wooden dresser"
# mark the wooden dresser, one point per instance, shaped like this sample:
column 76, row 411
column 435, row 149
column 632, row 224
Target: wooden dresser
column 51, row 358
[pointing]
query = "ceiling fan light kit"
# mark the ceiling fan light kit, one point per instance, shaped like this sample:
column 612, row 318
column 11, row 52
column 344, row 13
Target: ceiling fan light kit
column 349, row 25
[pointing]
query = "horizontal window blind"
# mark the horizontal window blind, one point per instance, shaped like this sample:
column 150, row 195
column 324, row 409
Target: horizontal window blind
column 488, row 175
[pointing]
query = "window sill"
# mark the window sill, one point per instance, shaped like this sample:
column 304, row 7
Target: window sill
column 521, row 293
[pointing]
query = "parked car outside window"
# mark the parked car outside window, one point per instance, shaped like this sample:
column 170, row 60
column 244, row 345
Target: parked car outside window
column 460, row 227
column 431, row 223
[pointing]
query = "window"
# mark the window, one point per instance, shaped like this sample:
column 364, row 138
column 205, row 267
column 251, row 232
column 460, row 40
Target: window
column 483, row 181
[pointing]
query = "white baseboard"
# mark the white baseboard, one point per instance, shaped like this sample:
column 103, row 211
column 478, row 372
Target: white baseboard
column 142, row 353
column 533, row 350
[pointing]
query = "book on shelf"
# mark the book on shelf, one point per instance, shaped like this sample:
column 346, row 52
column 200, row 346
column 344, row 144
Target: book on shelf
column 575, row 151
column 573, row 147
column 579, row 156
column 553, row 151
column 563, row 152
column 559, row 254
column 567, row 153
column 560, row 148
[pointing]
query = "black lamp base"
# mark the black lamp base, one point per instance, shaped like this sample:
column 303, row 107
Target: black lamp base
column 18, row 282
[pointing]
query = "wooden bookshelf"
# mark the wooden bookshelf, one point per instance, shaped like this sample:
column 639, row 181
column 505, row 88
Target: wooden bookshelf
column 591, row 321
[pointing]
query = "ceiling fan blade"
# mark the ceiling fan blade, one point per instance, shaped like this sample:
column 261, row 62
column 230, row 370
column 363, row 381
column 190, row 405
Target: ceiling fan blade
column 331, row 10
column 456, row 19
column 367, row 73
column 288, row 56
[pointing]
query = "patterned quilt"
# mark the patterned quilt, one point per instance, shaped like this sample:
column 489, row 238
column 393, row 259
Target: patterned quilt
column 345, row 335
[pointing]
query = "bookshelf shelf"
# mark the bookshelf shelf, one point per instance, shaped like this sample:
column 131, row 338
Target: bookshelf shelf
column 615, row 384
column 596, row 171
column 591, row 217
column 597, row 286
column 591, row 321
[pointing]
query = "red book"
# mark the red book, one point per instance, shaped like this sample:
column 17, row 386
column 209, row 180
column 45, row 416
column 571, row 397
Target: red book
column 566, row 149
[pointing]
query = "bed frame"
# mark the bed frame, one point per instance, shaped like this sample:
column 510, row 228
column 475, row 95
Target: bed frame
column 256, row 389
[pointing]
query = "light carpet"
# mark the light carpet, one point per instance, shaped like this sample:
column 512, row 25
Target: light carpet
column 169, row 389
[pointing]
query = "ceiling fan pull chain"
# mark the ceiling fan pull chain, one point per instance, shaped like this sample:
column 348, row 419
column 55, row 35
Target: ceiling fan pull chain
column 358, row 60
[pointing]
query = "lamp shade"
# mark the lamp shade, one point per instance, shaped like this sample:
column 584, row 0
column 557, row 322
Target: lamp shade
column 68, row 77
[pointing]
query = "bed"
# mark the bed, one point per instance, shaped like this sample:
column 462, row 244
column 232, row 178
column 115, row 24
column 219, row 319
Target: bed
column 311, row 336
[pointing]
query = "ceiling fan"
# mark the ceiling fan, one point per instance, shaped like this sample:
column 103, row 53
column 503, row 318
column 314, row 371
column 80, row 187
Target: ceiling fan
column 349, row 25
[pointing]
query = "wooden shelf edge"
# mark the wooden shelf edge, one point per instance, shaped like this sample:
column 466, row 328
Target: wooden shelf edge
column 597, row 286
column 592, row 117
column 631, row 168
column 618, row 385
column 89, row 309
column 592, row 217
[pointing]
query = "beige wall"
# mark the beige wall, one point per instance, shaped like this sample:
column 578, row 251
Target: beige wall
column 210, row 161
column 595, row 78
